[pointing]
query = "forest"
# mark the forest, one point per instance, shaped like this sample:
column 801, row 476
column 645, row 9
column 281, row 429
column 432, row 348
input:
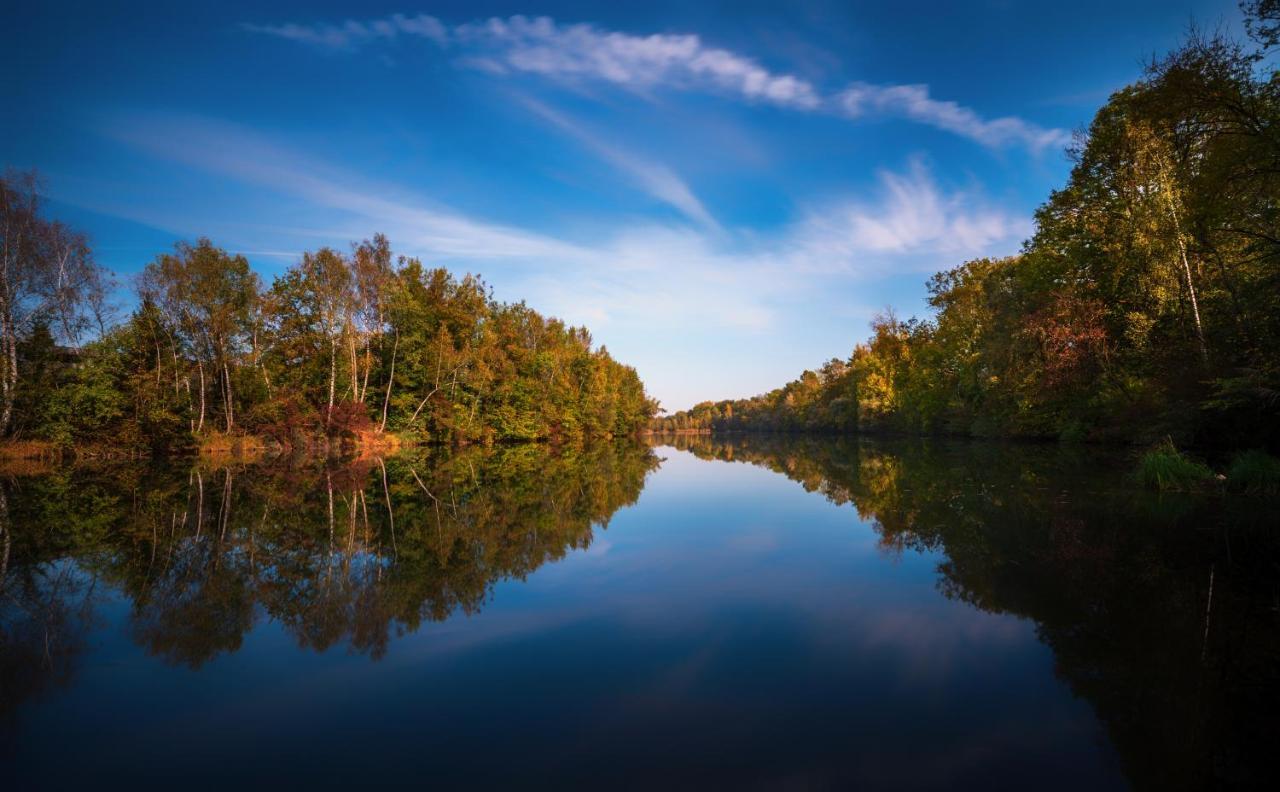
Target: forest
column 1146, row 304
column 343, row 348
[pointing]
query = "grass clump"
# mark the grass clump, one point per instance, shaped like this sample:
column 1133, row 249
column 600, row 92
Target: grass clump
column 1167, row 469
column 1254, row 472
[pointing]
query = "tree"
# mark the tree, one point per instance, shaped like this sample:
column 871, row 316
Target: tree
column 209, row 296
column 1262, row 20
column 47, row 276
column 1146, row 303
column 322, row 288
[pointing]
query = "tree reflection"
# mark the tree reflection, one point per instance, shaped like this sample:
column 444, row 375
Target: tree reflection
column 1164, row 612
column 353, row 555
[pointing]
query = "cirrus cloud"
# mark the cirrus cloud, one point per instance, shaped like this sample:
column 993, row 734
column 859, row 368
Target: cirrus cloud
column 915, row 103
column 582, row 52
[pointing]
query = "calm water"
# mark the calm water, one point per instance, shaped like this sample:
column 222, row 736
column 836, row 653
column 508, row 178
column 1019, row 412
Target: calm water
column 741, row 613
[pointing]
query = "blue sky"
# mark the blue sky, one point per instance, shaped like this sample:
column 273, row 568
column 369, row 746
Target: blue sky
column 724, row 193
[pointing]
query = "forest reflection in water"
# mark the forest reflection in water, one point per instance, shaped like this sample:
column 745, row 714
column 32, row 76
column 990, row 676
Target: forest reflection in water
column 354, row 554
column 1162, row 612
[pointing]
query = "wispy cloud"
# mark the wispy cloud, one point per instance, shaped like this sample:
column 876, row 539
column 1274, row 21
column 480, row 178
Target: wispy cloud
column 654, row 178
column 234, row 151
column 584, row 51
column 908, row 215
column 579, row 53
column 353, row 34
column 628, row 280
column 911, row 217
column 914, row 102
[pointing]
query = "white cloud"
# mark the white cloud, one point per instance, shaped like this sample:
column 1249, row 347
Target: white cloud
column 233, row 151
column 913, row 102
column 653, row 178
column 911, row 217
column 721, row 287
column 584, row 52
column 910, row 220
column 353, row 34
column 581, row 51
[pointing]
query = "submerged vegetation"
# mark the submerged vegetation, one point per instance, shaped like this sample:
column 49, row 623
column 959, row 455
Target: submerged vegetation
column 341, row 348
column 1145, row 305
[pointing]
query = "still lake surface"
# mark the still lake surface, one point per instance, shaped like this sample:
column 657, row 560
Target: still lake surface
column 741, row 612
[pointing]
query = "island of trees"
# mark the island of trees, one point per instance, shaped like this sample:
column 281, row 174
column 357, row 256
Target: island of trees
column 1146, row 305
column 346, row 347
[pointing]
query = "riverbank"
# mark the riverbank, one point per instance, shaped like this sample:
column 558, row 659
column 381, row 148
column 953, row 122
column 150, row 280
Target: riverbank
column 1160, row 466
column 251, row 447
column 215, row 445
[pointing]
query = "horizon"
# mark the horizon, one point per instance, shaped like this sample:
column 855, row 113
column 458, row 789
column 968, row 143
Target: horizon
column 723, row 200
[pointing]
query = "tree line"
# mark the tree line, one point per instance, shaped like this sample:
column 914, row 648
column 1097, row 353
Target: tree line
column 1145, row 305
column 344, row 344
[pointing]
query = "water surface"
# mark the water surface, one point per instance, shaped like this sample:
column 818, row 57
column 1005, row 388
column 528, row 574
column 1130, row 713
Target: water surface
column 757, row 612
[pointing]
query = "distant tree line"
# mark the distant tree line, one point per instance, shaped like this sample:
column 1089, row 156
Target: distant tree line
column 1146, row 304
column 343, row 344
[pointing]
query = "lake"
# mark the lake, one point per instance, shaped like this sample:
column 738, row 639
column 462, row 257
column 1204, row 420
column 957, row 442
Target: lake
column 729, row 612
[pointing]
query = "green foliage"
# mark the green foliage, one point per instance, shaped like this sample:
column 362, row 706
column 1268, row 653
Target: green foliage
column 1254, row 471
column 1147, row 302
column 339, row 346
column 1167, row 469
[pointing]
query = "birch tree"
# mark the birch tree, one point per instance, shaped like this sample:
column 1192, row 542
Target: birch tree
column 210, row 294
column 47, row 274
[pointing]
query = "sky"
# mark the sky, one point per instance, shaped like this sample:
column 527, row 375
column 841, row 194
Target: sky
column 724, row 193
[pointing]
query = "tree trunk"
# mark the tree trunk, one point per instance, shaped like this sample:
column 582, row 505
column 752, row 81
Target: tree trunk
column 228, row 396
column 1195, row 305
column 200, row 423
column 422, row 404
column 1167, row 188
column 355, row 369
column 173, row 347
column 9, row 378
column 390, row 379
column 333, row 377
column 368, row 367
column 257, row 360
